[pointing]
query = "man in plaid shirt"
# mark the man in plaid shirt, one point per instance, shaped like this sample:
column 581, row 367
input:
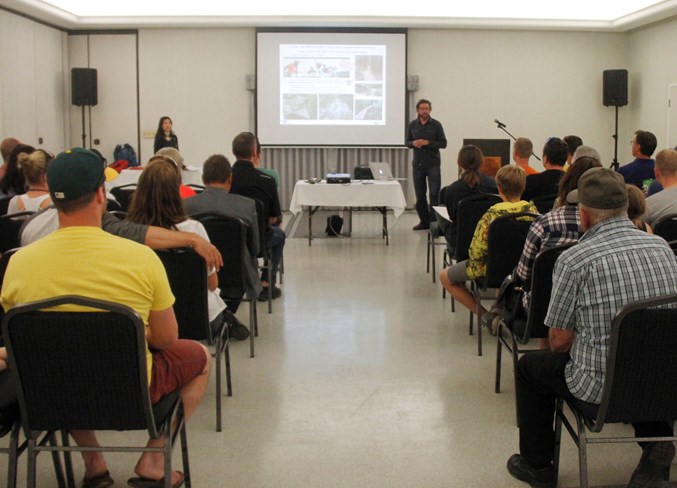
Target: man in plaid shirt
column 612, row 265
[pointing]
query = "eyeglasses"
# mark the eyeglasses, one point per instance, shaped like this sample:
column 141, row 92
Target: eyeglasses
column 633, row 142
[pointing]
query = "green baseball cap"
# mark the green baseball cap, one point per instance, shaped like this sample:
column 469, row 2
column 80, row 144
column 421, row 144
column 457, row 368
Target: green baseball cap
column 75, row 173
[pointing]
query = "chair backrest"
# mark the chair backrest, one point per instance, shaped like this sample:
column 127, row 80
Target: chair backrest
column 196, row 187
column 123, row 195
column 506, row 238
column 187, row 274
column 101, row 382
column 113, row 205
column 470, row 211
column 4, row 205
column 666, row 227
column 10, row 225
column 641, row 375
column 544, row 203
column 228, row 235
column 541, row 290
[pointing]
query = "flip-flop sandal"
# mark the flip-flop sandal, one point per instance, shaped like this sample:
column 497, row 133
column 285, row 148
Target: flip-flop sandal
column 102, row 481
column 140, row 482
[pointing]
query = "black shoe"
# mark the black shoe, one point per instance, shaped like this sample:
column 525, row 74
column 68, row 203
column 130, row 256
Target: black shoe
column 263, row 296
column 421, row 226
column 522, row 469
column 237, row 331
column 654, row 465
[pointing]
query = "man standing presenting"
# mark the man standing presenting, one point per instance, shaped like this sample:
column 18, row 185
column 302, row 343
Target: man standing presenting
column 426, row 136
column 612, row 265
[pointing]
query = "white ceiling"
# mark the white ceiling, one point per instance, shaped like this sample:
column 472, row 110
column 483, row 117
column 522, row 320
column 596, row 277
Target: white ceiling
column 601, row 15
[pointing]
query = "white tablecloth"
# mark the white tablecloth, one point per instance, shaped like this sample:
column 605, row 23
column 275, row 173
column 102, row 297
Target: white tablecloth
column 356, row 194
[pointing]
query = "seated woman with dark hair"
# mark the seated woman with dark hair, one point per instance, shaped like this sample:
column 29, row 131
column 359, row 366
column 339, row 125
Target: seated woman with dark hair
column 157, row 202
column 13, row 182
column 470, row 182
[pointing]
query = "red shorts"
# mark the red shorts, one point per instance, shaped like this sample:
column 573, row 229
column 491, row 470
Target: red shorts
column 175, row 367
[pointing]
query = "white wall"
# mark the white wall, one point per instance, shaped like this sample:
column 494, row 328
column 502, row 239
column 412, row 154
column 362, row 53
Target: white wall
column 653, row 62
column 196, row 77
column 540, row 84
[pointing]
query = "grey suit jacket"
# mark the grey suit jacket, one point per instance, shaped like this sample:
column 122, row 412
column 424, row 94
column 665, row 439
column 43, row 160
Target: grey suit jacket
column 220, row 202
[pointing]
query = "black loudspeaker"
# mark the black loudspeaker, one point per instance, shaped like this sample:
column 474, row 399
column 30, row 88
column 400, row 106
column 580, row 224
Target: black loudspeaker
column 615, row 87
column 83, row 86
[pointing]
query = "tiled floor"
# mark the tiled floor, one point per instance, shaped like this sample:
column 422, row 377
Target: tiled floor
column 363, row 378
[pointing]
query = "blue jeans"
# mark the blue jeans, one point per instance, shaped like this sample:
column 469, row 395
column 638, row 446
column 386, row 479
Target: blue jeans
column 431, row 186
column 276, row 239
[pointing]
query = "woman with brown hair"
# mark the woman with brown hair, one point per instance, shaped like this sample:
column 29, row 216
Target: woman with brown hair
column 157, row 202
column 470, row 182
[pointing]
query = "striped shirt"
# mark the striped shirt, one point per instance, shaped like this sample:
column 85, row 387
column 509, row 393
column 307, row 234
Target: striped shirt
column 612, row 265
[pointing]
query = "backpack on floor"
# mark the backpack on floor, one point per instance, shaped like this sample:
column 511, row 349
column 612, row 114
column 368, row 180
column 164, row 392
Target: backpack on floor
column 334, row 226
column 125, row 152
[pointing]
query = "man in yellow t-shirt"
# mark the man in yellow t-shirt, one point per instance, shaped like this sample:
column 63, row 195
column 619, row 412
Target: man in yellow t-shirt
column 81, row 259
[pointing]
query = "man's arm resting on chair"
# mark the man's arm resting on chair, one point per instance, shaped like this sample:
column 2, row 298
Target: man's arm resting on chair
column 163, row 330
column 560, row 339
column 159, row 238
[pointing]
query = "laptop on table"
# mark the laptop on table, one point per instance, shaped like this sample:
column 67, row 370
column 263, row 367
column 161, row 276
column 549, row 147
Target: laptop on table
column 381, row 171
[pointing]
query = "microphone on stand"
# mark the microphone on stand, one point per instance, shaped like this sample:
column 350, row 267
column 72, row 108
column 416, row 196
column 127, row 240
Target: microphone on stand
column 501, row 125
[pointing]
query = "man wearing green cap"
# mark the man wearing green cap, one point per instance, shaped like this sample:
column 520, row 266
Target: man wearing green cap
column 612, row 265
column 81, row 259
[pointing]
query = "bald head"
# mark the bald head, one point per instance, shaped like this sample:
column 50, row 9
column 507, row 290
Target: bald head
column 7, row 146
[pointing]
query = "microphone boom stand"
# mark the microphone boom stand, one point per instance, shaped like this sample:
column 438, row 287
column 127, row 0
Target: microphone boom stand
column 502, row 127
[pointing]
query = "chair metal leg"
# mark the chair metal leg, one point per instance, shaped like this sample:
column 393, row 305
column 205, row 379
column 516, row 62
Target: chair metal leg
column 558, row 438
column 217, row 360
column 184, row 453
column 582, row 452
column 167, row 454
column 499, row 350
column 254, row 327
column 427, row 265
column 31, row 463
column 226, row 358
column 432, row 250
column 67, row 459
column 13, row 451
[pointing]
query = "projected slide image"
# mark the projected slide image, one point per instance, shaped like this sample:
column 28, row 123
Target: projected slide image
column 368, row 109
column 336, row 107
column 316, row 68
column 369, row 68
column 368, row 89
column 337, row 75
column 298, row 106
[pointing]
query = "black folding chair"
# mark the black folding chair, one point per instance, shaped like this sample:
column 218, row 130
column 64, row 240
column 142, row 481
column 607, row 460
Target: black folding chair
column 640, row 381
column 101, row 382
column 507, row 235
column 533, row 327
column 544, row 203
column 666, row 227
column 4, row 204
column 187, row 274
column 123, row 195
column 265, row 252
column 10, row 225
column 436, row 231
column 470, row 211
column 228, row 234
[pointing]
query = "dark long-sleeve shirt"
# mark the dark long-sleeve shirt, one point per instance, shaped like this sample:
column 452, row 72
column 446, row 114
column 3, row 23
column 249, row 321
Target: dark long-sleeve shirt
column 426, row 156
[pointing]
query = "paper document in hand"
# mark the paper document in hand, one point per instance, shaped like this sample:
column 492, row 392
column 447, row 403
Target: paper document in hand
column 442, row 212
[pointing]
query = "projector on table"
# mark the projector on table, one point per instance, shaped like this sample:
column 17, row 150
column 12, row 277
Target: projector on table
column 338, row 177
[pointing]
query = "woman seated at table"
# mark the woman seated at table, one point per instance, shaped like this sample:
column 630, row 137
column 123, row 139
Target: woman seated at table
column 510, row 181
column 157, row 201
